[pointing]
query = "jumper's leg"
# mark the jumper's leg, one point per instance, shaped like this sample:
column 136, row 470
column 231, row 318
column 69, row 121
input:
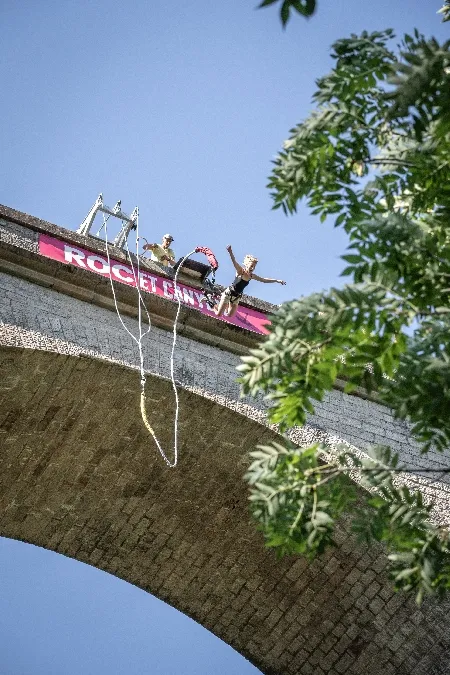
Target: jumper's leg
column 232, row 308
column 224, row 303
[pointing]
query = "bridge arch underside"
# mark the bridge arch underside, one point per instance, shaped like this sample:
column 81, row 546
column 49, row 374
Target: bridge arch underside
column 81, row 476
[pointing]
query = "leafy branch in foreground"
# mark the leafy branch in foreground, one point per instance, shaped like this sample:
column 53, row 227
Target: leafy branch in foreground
column 308, row 7
column 304, row 7
column 445, row 11
column 294, row 500
column 302, row 355
column 375, row 157
column 297, row 498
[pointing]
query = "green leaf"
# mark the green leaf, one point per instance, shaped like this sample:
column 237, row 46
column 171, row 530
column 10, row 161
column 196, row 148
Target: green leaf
column 352, row 258
column 284, row 12
column 322, row 518
column 405, row 573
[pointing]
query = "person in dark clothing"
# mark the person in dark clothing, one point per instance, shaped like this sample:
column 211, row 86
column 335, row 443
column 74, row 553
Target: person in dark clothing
column 229, row 300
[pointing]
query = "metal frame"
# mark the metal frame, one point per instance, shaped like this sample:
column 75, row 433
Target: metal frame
column 128, row 222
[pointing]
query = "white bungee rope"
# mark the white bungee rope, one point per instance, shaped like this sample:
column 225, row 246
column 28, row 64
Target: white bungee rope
column 142, row 334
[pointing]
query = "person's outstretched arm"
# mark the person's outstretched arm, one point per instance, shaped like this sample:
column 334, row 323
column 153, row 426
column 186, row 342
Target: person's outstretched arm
column 151, row 247
column 147, row 246
column 237, row 267
column 268, row 281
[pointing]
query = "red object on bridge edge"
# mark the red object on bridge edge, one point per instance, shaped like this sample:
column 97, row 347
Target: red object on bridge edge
column 210, row 255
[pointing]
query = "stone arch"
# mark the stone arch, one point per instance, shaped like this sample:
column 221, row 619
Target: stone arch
column 81, row 477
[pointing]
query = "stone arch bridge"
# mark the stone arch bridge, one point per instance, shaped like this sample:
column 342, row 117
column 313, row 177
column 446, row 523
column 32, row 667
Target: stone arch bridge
column 80, row 475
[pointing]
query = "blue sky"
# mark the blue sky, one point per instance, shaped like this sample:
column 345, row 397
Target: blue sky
column 177, row 108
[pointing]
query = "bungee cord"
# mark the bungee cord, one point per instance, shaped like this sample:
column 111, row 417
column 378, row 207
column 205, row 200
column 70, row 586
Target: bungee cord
column 138, row 341
column 133, row 337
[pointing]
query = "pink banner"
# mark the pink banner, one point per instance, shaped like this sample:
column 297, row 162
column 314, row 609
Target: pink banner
column 56, row 249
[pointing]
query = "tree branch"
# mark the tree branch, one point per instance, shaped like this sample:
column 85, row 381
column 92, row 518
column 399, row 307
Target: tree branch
column 391, row 160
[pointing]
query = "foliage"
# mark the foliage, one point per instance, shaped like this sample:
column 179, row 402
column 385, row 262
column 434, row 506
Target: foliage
column 297, row 500
column 304, row 7
column 296, row 504
column 308, row 7
column 445, row 11
column 375, row 156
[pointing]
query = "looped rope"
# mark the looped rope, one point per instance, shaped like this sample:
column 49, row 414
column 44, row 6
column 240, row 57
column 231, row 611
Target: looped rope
column 138, row 341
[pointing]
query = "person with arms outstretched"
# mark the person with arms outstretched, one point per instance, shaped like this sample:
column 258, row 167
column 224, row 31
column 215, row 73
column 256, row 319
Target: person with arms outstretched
column 229, row 300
